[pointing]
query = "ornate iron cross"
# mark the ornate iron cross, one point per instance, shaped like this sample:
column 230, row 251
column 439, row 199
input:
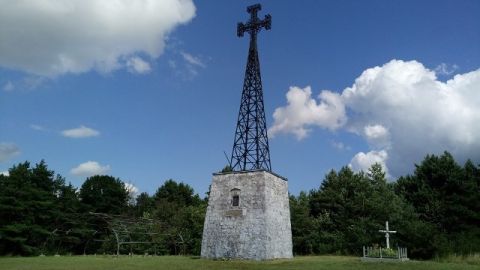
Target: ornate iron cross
column 255, row 24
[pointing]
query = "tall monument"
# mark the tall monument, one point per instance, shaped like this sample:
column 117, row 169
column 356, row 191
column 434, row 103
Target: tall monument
column 248, row 213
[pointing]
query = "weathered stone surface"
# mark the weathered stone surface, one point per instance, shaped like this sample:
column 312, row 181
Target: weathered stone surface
column 258, row 228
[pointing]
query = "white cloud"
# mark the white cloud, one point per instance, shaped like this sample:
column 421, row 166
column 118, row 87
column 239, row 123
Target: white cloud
column 193, row 60
column 303, row 112
column 138, row 65
column 57, row 37
column 340, row 146
column 402, row 110
column 8, row 151
column 131, row 189
column 363, row 161
column 375, row 131
column 189, row 68
column 37, row 127
column 445, row 70
column 423, row 114
column 377, row 136
column 80, row 132
column 132, row 193
column 90, row 168
column 8, row 86
column 5, row 173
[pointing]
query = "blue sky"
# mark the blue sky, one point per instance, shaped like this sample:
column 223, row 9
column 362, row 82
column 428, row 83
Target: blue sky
column 147, row 91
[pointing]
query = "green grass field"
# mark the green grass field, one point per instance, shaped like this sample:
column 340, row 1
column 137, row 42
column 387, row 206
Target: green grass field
column 179, row 262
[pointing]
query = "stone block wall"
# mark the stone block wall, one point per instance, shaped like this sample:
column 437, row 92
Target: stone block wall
column 258, row 228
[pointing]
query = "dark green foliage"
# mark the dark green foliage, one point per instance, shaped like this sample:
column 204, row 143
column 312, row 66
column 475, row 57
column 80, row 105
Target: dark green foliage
column 144, row 205
column 101, row 194
column 39, row 213
column 226, row 169
column 32, row 203
column 181, row 213
column 104, row 194
column 305, row 233
column 176, row 193
column 446, row 197
column 346, row 212
column 436, row 212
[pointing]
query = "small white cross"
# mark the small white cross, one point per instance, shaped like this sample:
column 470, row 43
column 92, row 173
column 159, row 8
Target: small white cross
column 387, row 233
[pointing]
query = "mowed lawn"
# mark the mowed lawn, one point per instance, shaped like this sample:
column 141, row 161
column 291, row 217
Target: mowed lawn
column 180, row 262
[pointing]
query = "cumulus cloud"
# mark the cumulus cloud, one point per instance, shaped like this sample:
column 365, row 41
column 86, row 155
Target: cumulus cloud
column 132, row 192
column 363, row 161
column 375, row 131
column 8, row 151
column 56, row 37
column 303, row 111
column 423, row 114
column 90, row 168
column 5, row 173
column 131, row 188
column 138, row 65
column 377, row 135
column 404, row 112
column 80, row 132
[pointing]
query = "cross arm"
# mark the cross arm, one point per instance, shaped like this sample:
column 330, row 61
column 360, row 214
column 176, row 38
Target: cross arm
column 384, row 231
column 254, row 26
column 240, row 29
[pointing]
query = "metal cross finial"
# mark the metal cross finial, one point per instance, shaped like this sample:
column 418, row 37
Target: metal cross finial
column 254, row 24
column 387, row 233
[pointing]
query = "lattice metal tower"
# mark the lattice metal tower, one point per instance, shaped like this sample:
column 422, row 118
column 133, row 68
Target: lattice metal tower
column 250, row 147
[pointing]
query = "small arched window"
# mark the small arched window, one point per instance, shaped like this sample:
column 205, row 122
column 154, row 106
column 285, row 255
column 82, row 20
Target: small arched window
column 235, row 193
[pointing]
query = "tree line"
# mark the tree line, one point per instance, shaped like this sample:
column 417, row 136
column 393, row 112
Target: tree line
column 435, row 210
column 41, row 214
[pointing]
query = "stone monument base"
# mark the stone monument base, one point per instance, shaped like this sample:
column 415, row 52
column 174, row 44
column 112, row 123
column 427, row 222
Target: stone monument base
column 248, row 217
